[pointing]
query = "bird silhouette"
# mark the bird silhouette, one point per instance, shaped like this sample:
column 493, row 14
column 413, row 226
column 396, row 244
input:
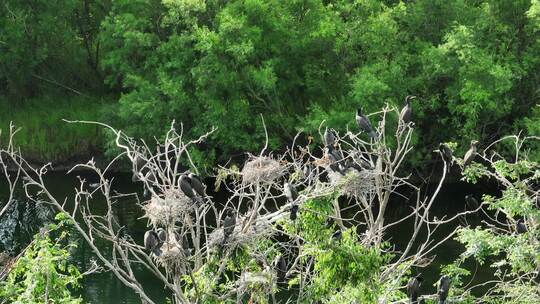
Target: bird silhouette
column 364, row 125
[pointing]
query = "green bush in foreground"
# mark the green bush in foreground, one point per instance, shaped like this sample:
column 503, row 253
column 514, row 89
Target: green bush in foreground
column 44, row 273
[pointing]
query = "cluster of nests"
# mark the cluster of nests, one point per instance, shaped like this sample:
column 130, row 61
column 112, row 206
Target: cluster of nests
column 262, row 169
column 163, row 210
column 240, row 236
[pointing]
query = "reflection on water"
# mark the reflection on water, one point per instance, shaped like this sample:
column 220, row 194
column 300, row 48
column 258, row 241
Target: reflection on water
column 24, row 219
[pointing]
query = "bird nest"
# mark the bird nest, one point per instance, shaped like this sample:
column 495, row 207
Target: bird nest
column 357, row 183
column 262, row 169
column 240, row 236
column 162, row 210
column 172, row 257
column 251, row 280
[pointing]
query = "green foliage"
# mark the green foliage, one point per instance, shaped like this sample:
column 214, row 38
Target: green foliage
column 44, row 273
column 513, row 256
column 43, row 134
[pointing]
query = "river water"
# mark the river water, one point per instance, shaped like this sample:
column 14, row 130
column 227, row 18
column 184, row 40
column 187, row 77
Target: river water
column 23, row 220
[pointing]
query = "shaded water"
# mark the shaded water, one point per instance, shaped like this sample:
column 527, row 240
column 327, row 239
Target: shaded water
column 17, row 228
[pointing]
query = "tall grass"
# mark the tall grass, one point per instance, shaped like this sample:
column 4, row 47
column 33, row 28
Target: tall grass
column 44, row 136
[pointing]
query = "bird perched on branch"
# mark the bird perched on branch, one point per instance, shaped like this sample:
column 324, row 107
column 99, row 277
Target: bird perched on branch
column 446, row 153
column 364, row 125
column 186, row 187
column 197, row 185
column 469, row 156
column 521, row 227
column 413, row 289
column 329, row 137
column 336, row 160
column 406, row 112
column 152, row 242
column 471, row 202
column 443, row 289
column 281, row 268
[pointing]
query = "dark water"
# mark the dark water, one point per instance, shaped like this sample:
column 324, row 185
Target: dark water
column 16, row 230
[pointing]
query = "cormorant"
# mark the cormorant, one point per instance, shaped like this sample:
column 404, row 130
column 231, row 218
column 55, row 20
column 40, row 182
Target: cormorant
column 446, row 154
column 290, row 192
column 185, row 186
column 281, row 268
column 196, row 184
column 162, row 234
column 335, row 160
column 406, row 111
column 363, row 124
column 337, row 236
column 471, row 202
column 469, row 156
column 521, row 227
column 228, row 224
column 152, row 242
column 329, row 138
column 294, row 212
column 444, row 289
column 413, row 289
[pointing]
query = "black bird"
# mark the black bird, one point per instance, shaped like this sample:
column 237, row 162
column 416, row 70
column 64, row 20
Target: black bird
column 406, row 111
column 336, row 160
column 294, row 212
column 469, row 156
column 444, row 289
column 329, row 137
column 337, row 236
column 446, row 154
column 152, row 242
column 185, row 186
column 290, row 192
column 521, row 227
column 281, row 268
column 413, row 289
column 162, row 234
column 471, row 202
column 196, row 184
column 363, row 124
column 228, row 224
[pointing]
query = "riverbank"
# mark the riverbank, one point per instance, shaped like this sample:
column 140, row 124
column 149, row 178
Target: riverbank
column 43, row 136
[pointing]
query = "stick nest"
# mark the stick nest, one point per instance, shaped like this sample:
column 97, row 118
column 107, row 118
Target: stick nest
column 260, row 227
column 357, row 183
column 262, row 169
column 172, row 257
column 163, row 210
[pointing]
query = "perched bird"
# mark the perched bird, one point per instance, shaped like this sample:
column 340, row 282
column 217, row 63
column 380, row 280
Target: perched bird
column 521, row 227
column 444, row 289
column 228, row 224
column 185, row 186
column 406, row 112
column 469, row 156
column 413, row 289
column 152, row 242
column 363, row 124
column 446, row 154
column 138, row 164
column 162, row 234
column 281, row 268
column 337, row 235
column 329, row 137
column 294, row 212
column 196, row 184
column 290, row 192
column 336, row 160
column 471, row 202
